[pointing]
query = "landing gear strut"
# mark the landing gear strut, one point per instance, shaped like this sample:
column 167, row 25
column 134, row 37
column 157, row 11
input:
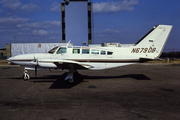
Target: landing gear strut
column 71, row 79
column 26, row 75
column 70, row 76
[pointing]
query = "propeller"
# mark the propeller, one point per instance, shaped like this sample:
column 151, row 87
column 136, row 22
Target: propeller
column 35, row 60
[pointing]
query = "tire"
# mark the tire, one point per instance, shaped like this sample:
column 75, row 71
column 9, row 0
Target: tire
column 26, row 77
column 71, row 81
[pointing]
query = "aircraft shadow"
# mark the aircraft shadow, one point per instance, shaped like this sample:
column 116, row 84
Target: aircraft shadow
column 60, row 83
column 134, row 76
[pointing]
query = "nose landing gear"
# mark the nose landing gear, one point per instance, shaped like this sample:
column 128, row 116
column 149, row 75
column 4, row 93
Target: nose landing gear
column 26, row 76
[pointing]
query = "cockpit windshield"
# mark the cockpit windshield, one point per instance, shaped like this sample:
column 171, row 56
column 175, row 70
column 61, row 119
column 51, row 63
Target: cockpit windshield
column 53, row 50
column 61, row 50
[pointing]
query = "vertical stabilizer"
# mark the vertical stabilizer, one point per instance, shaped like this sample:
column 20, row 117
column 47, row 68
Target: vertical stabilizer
column 152, row 44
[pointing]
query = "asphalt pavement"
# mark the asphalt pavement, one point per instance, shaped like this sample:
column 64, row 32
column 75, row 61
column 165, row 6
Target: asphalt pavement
column 136, row 92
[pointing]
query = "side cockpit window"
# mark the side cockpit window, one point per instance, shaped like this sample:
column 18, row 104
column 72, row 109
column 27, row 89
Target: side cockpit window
column 62, row 50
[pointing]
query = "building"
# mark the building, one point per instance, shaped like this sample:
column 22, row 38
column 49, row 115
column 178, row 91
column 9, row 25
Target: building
column 76, row 21
column 26, row 48
column 5, row 52
column 29, row 48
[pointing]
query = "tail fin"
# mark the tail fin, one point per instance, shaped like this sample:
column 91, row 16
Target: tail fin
column 152, row 44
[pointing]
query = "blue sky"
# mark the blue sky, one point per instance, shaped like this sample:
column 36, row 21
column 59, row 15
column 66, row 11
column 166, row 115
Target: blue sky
column 124, row 21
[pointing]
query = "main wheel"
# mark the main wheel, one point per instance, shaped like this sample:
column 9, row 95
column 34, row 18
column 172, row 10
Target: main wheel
column 71, row 81
column 26, row 77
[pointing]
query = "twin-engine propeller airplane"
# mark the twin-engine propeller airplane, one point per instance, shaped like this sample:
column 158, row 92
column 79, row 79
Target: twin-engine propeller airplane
column 96, row 58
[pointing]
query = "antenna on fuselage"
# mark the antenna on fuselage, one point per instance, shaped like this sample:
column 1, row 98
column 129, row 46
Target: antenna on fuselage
column 68, row 43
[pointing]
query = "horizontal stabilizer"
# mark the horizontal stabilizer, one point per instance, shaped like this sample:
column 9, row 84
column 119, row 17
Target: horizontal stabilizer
column 149, row 59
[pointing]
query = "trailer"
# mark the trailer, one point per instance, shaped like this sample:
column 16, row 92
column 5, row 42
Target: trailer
column 27, row 48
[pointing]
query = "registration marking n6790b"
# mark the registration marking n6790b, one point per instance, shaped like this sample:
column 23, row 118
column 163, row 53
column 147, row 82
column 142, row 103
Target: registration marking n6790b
column 143, row 50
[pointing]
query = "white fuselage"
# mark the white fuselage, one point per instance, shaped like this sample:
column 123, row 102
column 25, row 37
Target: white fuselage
column 98, row 57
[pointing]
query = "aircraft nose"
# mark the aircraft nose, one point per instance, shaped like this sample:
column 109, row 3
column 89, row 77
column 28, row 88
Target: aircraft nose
column 10, row 59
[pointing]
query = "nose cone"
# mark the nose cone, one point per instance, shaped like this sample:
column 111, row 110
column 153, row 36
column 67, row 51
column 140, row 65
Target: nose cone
column 10, row 59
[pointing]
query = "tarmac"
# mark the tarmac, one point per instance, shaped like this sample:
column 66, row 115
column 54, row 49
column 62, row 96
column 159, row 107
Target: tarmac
column 146, row 91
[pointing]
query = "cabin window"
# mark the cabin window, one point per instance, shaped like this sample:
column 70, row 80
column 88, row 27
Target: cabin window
column 103, row 52
column 95, row 52
column 76, row 51
column 61, row 50
column 109, row 53
column 85, row 51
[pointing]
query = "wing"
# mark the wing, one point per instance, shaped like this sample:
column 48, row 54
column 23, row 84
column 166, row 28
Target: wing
column 62, row 64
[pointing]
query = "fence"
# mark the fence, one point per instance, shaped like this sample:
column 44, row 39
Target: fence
column 171, row 53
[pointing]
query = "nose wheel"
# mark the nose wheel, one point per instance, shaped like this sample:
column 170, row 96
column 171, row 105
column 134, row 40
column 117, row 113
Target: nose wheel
column 26, row 76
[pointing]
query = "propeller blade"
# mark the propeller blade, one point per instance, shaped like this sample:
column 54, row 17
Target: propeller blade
column 36, row 71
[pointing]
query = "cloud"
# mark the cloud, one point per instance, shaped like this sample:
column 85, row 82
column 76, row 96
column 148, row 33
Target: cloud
column 39, row 32
column 108, row 35
column 12, row 5
column 15, row 5
column 13, row 19
column 125, row 5
column 1, row 11
column 55, row 7
column 105, row 7
column 41, row 25
column 6, row 22
column 18, row 33
column 108, row 32
column 7, row 25
column 30, row 7
column 111, row 31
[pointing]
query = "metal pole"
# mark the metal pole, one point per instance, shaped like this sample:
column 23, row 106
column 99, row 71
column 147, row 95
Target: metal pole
column 14, row 39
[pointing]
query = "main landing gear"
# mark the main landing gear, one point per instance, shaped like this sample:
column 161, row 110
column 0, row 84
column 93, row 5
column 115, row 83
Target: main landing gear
column 71, row 76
